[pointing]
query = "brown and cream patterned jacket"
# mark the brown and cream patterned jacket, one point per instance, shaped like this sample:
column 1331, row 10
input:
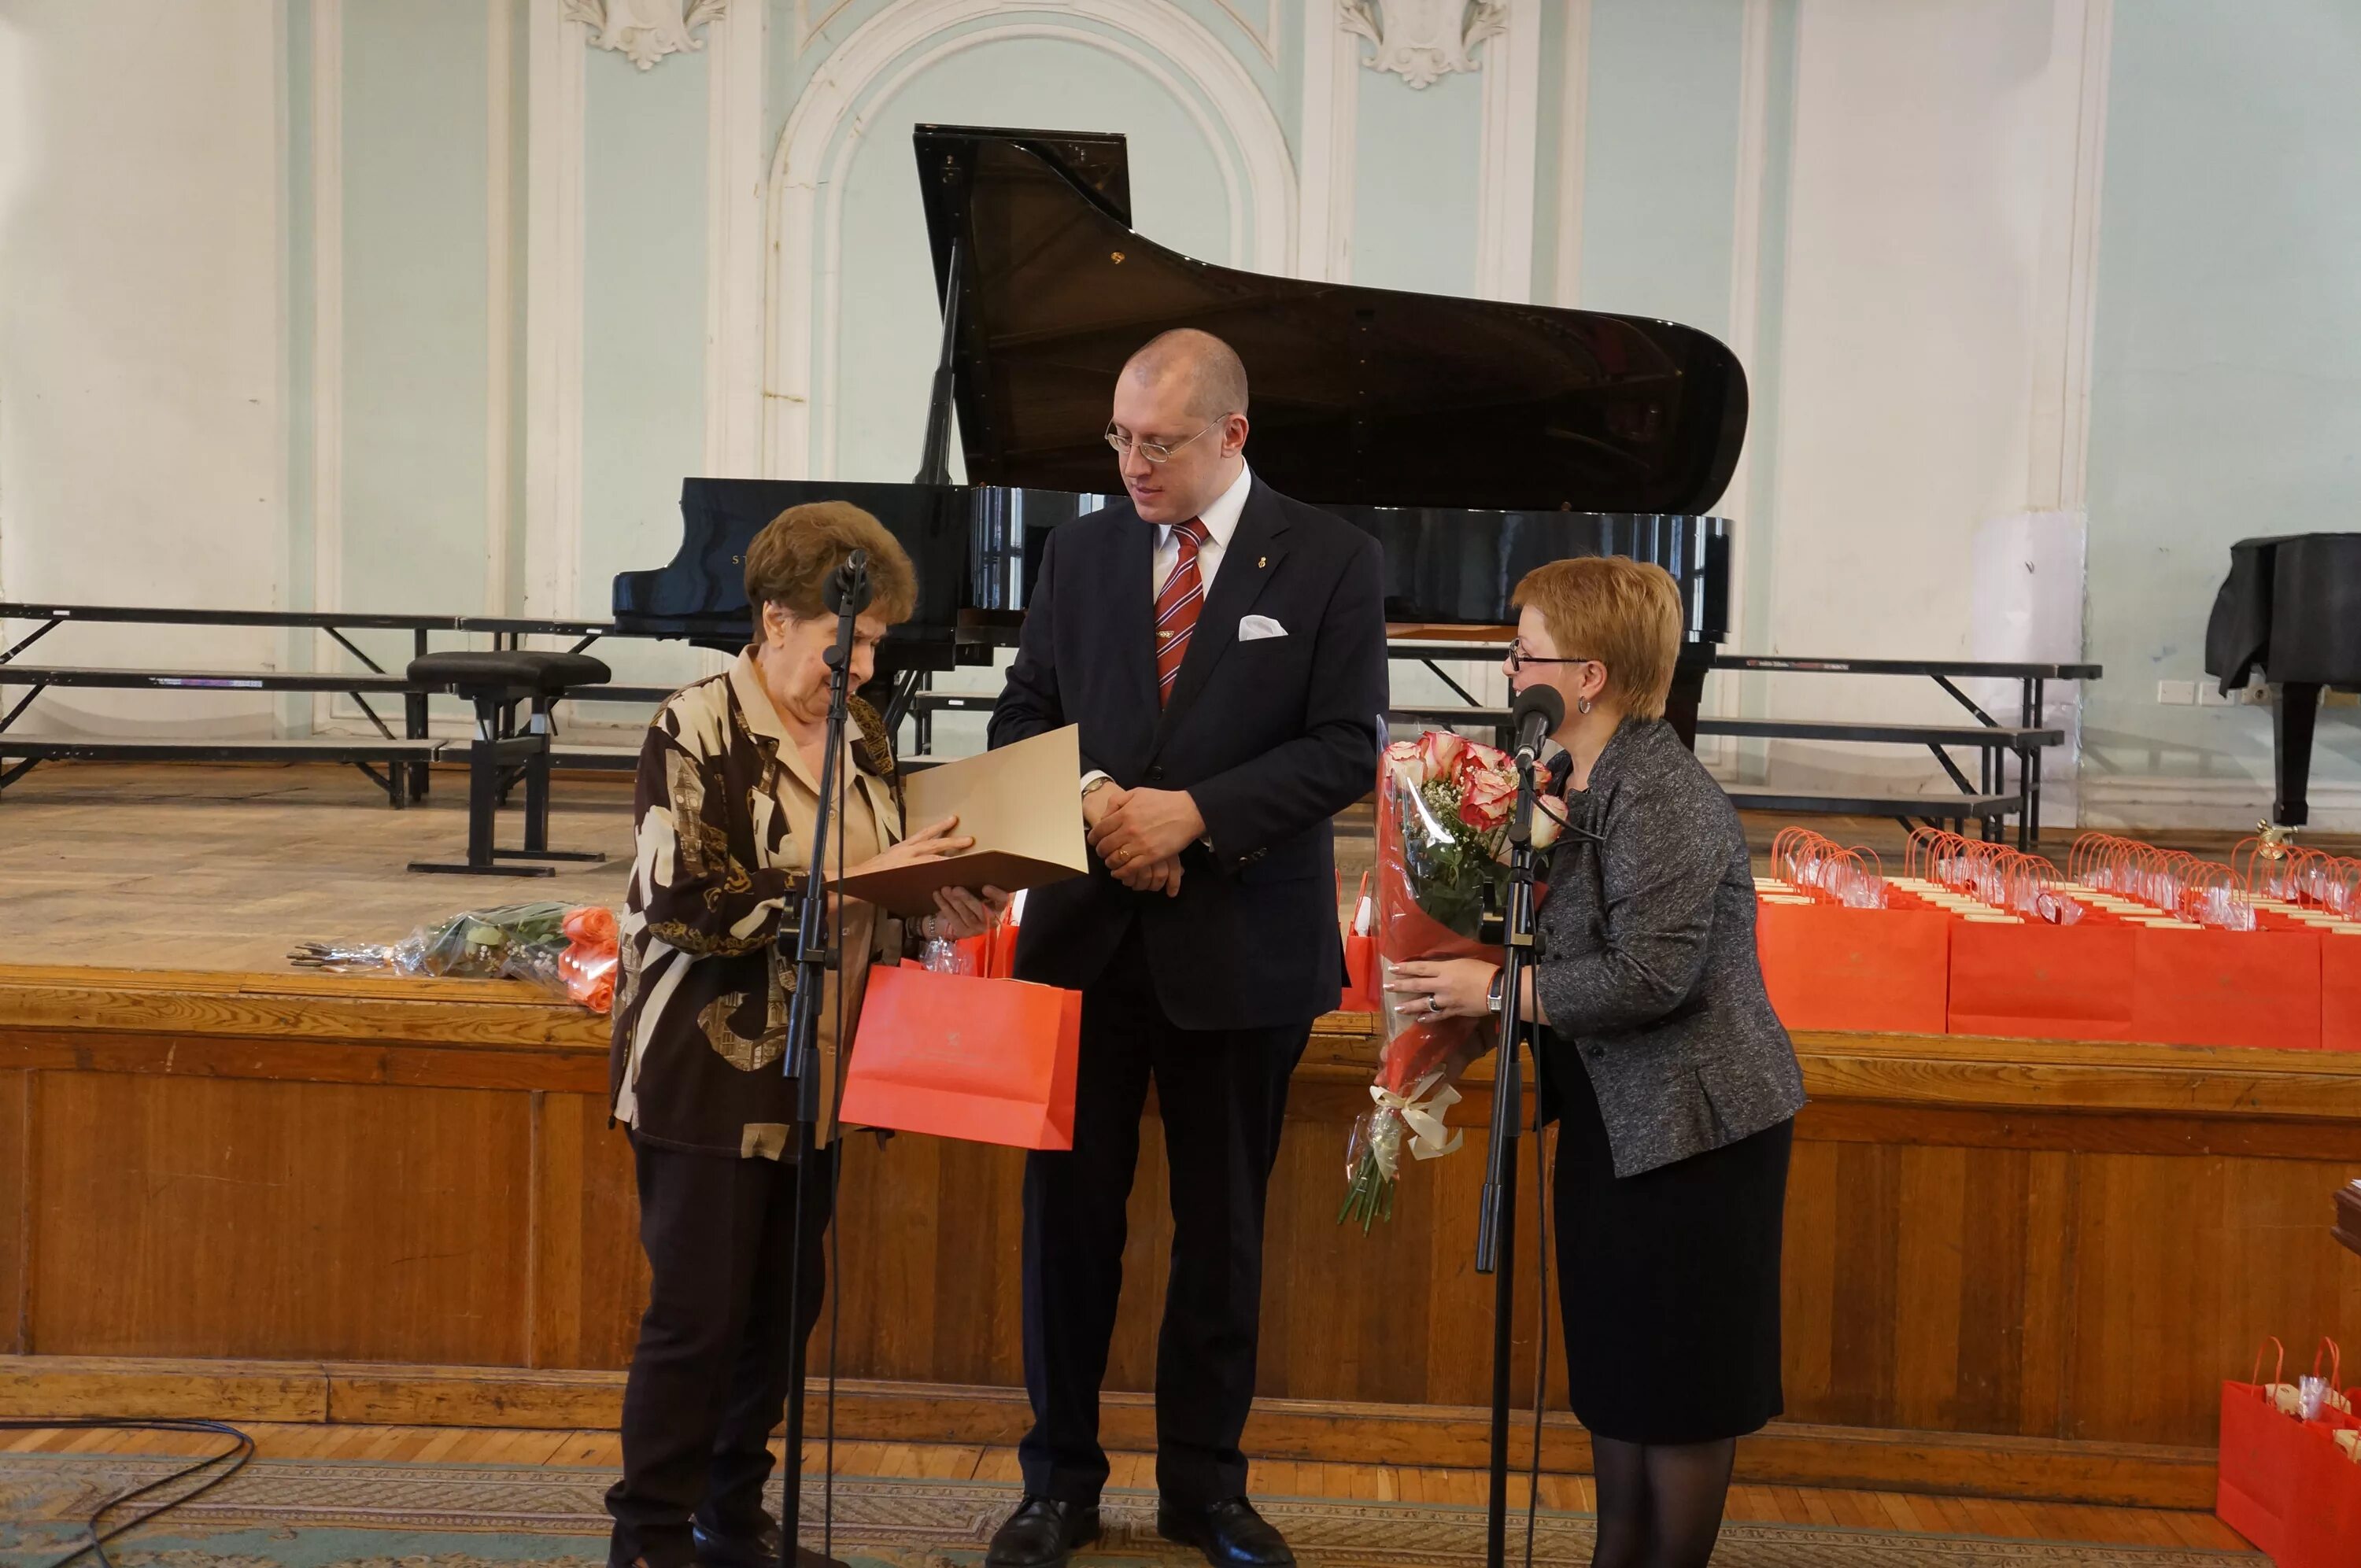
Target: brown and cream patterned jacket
column 723, row 816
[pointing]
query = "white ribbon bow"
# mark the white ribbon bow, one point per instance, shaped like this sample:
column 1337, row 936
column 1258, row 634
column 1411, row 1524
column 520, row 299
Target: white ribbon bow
column 1422, row 1116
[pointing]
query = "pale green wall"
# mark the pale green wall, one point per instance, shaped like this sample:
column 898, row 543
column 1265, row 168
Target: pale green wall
column 1660, row 179
column 520, row 164
column 890, row 330
column 2226, row 379
column 1414, row 183
column 414, row 530
column 643, row 276
column 1556, row 94
column 301, row 303
column 1756, row 505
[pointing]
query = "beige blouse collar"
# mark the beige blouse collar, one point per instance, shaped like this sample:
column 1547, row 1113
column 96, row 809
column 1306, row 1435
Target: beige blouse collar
column 762, row 719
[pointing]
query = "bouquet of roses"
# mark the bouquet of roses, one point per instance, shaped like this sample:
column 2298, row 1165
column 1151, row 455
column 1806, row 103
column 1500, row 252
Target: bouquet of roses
column 1443, row 804
column 568, row 949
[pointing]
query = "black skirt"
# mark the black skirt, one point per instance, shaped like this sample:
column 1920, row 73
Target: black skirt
column 1670, row 1278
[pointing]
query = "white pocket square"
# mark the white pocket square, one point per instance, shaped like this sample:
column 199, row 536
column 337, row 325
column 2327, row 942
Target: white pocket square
column 1255, row 628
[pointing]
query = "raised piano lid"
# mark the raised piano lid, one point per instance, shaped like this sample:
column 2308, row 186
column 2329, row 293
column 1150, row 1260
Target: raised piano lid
column 1360, row 394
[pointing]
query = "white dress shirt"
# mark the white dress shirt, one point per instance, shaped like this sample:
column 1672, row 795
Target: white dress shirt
column 1221, row 520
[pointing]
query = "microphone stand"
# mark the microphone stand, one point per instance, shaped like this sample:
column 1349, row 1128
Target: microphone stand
column 806, row 943
column 1496, row 1233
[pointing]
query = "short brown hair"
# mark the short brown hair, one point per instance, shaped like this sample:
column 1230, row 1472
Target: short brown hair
column 1626, row 614
column 789, row 563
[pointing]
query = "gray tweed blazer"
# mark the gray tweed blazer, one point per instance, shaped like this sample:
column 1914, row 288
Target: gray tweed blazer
column 1648, row 967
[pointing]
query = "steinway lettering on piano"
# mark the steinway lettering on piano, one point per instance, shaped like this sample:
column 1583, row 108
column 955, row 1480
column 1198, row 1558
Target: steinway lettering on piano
column 1475, row 439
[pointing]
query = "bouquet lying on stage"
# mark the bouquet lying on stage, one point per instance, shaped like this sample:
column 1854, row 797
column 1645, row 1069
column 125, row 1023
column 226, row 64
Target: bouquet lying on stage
column 568, row 949
column 1443, row 804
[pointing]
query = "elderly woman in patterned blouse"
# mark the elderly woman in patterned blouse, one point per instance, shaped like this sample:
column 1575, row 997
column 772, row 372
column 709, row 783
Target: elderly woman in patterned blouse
column 729, row 785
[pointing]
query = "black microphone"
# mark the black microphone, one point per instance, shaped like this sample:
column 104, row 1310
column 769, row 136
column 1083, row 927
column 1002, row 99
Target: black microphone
column 847, row 585
column 1538, row 711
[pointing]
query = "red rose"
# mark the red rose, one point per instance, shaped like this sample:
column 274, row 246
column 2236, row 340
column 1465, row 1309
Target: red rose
column 1487, row 797
column 1491, row 758
column 1442, row 750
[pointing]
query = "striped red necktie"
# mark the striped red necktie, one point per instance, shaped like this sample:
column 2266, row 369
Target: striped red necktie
column 1177, row 604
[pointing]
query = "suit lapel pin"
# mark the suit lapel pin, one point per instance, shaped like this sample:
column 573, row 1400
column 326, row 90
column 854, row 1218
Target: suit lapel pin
column 1261, row 561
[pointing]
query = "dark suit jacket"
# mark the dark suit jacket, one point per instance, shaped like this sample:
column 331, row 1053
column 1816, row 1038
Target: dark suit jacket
column 1271, row 736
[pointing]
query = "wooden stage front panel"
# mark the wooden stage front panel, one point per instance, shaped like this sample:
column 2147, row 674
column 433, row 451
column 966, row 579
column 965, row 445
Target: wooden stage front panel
column 2021, row 1268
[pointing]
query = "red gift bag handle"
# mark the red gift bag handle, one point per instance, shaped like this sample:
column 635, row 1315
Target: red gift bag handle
column 2335, row 1360
column 2278, row 1373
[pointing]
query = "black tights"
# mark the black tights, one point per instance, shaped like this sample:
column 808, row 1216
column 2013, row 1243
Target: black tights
column 1659, row 1504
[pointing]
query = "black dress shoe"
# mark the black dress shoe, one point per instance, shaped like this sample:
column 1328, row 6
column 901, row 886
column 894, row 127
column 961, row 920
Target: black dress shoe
column 1042, row 1533
column 722, row 1548
column 1231, row 1534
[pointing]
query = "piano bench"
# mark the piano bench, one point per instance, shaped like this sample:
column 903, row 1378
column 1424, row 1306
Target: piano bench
column 495, row 683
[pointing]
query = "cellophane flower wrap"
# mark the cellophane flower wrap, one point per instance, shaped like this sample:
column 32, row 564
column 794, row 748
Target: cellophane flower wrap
column 568, row 949
column 1444, row 805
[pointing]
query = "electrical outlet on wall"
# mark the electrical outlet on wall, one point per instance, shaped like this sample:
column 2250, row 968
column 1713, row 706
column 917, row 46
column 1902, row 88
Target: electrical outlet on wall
column 2180, row 693
column 2210, row 695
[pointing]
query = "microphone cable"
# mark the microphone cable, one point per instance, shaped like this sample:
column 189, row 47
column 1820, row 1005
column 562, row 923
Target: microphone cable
column 233, row 1460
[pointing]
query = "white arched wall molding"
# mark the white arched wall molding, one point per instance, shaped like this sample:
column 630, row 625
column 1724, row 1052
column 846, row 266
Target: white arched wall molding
column 553, row 317
column 1504, row 181
column 1332, row 101
column 816, row 147
column 1258, row 19
column 1573, row 147
column 734, row 244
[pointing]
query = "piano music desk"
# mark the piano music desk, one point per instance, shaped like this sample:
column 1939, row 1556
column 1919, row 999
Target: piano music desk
column 2013, row 1269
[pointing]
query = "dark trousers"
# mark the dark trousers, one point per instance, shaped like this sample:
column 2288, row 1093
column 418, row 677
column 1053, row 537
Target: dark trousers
column 1223, row 1095
column 710, row 1378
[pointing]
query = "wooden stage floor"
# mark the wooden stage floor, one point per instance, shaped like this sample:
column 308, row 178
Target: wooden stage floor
column 222, row 867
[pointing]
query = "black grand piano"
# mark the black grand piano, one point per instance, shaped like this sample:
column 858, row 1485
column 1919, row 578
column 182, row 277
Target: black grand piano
column 1475, row 439
column 2291, row 607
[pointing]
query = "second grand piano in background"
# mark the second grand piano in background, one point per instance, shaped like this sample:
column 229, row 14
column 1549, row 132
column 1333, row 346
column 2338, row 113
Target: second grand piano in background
column 1475, row 439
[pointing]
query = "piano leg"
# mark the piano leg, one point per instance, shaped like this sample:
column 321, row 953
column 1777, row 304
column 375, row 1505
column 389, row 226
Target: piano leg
column 1688, row 692
column 2294, row 705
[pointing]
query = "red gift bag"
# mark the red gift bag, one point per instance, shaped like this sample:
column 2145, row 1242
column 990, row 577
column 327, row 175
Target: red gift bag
column 963, row 1057
column 2043, row 982
column 1828, row 967
column 2259, row 1449
column 1000, row 959
column 2340, row 993
column 1361, row 959
column 2227, row 988
column 2323, row 1525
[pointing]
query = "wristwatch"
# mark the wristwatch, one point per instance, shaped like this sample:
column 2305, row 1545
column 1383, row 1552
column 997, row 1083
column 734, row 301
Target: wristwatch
column 1492, row 996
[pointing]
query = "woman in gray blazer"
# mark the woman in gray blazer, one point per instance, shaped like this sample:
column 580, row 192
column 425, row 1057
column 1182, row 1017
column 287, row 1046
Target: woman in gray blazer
column 1675, row 1084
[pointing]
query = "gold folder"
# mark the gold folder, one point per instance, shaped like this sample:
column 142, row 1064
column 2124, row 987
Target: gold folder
column 1023, row 806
